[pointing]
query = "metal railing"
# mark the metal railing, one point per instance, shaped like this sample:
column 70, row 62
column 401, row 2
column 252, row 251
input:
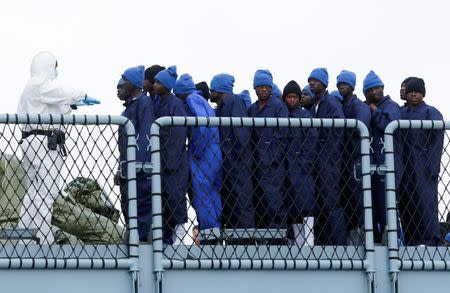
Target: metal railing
column 256, row 254
column 87, row 146
column 413, row 212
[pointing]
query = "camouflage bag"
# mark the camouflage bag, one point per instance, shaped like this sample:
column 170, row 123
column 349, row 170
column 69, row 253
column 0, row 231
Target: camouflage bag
column 88, row 193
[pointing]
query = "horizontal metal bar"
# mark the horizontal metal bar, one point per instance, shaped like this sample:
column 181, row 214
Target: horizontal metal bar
column 257, row 122
column 416, row 124
column 49, row 263
column 247, row 264
column 62, row 119
column 425, row 265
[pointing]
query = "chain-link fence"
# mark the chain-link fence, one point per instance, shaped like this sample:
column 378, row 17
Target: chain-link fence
column 261, row 193
column 59, row 204
column 418, row 204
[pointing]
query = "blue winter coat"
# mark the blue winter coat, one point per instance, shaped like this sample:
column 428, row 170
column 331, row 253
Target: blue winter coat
column 387, row 111
column 237, row 188
column 351, row 184
column 328, row 169
column 300, row 198
column 205, row 161
column 269, row 151
column 422, row 156
column 174, row 162
column 140, row 111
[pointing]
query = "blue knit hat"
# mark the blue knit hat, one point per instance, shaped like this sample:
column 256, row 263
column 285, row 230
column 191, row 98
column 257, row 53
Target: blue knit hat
column 276, row 91
column 337, row 95
column 167, row 77
column 371, row 80
column 321, row 74
column 135, row 75
column 246, row 97
column 222, row 83
column 121, row 82
column 262, row 77
column 447, row 237
column 308, row 90
column 347, row 77
column 184, row 85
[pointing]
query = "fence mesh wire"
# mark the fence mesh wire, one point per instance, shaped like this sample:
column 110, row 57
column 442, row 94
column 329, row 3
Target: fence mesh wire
column 57, row 194
column 423, row 195
column 254, row 193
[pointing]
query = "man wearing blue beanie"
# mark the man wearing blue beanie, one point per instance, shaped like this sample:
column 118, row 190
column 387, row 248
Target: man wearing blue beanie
column 237, row 188
column 222, row 83
column 352, row 193
column 140, row 111
column 263, row 77
column 166, row 78
column 268, row 154
column 135, row 75
column 383, row 111
column 331, row 228
column 205, row 162
column 174, row 160
column 320, row 74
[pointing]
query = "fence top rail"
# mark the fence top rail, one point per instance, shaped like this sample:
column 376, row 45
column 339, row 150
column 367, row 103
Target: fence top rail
column 416, row 124
column 64, row 119
column 261, row 122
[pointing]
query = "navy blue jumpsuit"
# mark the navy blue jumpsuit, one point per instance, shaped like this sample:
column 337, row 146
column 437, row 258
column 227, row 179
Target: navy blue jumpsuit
column 330, row 225
column 387, row 111
column 300, row 198
column 140, row 111
column 422, row 157
column 205, row 161
column 352, row 193
column 237, row 188
column 174, row 163
column 269, row 150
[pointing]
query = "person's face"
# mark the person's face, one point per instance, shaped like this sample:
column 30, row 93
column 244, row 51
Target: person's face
column 292, row 101
column 120, row 93
column 148, row 86
column 316, row 86
column 126, row 91
column 414, row 98
column 214, row 97
column 263, row 92
column 306, row 100
column 402, row 91
column 375, row 93
column 345, row 89
column 159, row 88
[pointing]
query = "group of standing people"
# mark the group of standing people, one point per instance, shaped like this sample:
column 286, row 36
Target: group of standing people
column 260, row 177
column 275, row 177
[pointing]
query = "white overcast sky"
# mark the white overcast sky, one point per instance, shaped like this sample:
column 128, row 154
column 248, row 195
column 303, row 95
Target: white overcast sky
column 95, row 41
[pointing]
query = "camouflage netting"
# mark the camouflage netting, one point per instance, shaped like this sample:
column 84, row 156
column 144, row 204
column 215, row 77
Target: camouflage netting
column 85, row 215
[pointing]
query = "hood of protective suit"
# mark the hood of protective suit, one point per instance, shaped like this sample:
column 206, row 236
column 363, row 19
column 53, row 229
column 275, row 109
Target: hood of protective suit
column 43, row 67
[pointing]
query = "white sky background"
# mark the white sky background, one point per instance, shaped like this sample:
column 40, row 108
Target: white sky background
column 95, row 41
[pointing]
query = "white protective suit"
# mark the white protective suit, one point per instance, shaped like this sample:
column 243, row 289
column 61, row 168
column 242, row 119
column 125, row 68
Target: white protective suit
column 43, row 95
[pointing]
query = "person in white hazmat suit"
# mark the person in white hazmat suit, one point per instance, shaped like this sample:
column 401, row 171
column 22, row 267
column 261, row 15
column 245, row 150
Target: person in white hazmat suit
column 43, row 145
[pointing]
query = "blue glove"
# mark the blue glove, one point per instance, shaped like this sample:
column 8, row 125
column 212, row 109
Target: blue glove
column 90, row 101
column 80, row 103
